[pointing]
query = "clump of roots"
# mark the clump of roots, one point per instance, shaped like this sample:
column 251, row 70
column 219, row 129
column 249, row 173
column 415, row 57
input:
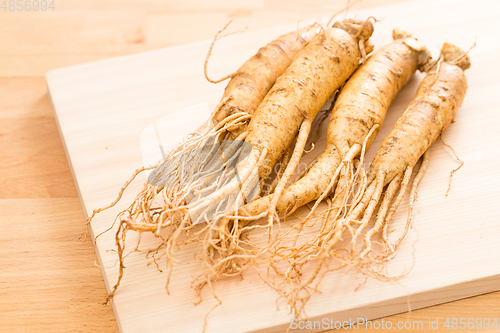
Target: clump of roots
column 343, row 224
column 173, row 200
column 226, row 248
column 299, row 257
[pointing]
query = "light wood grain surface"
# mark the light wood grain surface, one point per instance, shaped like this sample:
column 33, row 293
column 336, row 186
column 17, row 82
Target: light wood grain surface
column 48, row 277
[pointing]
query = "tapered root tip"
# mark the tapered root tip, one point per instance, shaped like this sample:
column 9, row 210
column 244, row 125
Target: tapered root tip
column 453, row 54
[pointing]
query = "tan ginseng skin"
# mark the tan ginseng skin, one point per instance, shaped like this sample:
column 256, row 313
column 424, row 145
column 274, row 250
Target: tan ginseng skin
column 429, row 114
column 248, row 86
column 243, row 94
column 326, row 62
column 361, row 104
column 161, row 205
column 289, row 108
column 431, row 111
column 314, row 75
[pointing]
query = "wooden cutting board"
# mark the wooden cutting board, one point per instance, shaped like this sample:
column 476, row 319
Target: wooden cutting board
column 106, row 111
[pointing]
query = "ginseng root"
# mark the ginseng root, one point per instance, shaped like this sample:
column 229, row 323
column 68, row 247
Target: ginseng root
column 433, row 109
column 357, row 116
column 232, row 252
column 156, row 207
column 439, row 96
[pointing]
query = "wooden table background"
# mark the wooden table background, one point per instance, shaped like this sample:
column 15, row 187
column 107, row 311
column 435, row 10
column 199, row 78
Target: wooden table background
column 49, row 281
